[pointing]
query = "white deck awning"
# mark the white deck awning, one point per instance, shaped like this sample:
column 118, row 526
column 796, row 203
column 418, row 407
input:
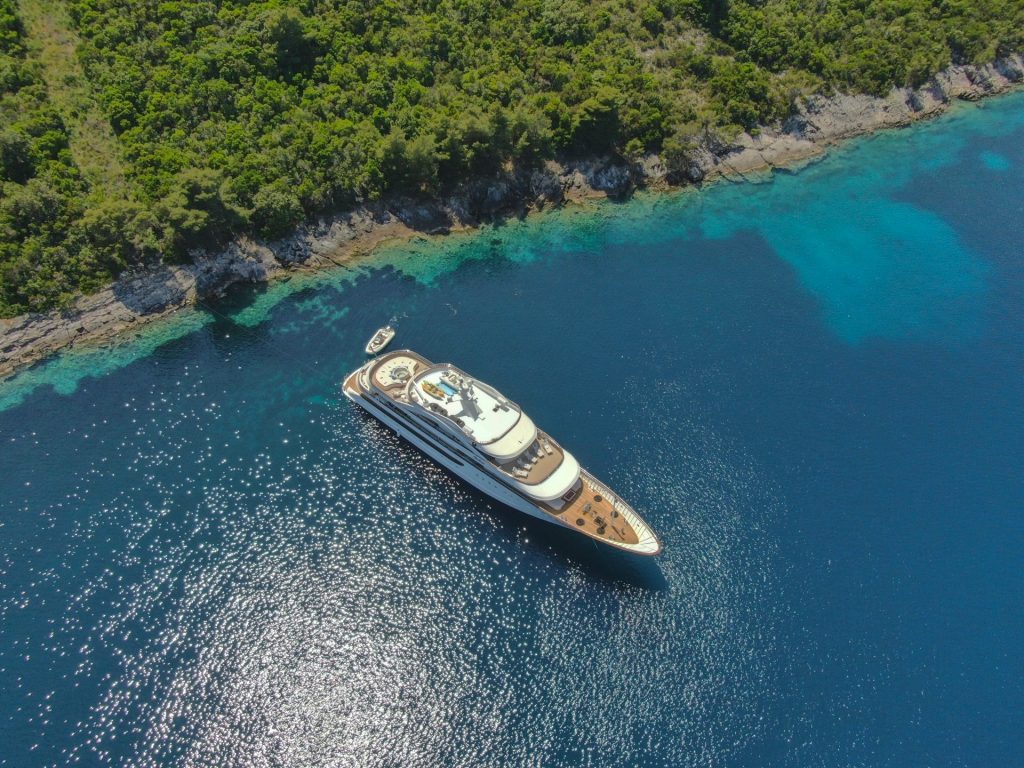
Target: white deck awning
column 558, row 482
column 513, row 442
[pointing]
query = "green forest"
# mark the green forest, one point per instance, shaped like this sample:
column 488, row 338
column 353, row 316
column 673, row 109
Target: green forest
column 232, row 116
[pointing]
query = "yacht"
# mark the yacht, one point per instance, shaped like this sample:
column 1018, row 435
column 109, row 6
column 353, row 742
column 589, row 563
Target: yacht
column 473, row 430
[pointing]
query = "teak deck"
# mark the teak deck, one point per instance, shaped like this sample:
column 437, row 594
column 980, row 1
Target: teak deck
column 598, row 515
column 542, row 467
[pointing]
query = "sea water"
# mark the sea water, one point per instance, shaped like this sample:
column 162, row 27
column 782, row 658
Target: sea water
column 811, row 384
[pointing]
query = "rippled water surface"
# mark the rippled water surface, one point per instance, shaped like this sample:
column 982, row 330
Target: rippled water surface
column 811, row 386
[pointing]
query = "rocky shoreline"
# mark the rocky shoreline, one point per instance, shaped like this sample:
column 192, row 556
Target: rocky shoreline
column 142, row 296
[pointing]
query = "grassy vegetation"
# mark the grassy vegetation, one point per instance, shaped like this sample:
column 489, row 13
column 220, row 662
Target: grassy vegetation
column 53, row 43
column 43, row 195
column 249, row 115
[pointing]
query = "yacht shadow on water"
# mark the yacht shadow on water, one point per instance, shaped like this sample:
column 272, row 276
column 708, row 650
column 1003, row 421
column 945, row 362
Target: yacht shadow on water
column 600, row 563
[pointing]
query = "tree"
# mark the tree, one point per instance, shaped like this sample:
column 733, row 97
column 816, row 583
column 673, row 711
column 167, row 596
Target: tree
column 409, row 164
column 678, row 152
column 285, row 29
column 530, row 134
column 15, row 157
column 596, row 122
column 275, row 210
column 743, row 93
column 195, row 212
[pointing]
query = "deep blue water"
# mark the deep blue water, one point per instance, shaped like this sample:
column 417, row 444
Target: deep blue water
column 812, row 387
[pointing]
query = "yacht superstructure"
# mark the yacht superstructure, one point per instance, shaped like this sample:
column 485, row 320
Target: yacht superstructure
column 473, row 430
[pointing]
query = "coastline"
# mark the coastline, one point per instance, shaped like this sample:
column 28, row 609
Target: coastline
column 140, row 297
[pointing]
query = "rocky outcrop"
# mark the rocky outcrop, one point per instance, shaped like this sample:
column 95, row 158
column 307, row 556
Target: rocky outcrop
column 820, row 120
column 143, row 295
column 327, row 241
column 135, row 297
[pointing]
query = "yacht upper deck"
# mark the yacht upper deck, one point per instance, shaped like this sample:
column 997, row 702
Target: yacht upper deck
column 496, row 424
column 480, row 411
column 492, row 421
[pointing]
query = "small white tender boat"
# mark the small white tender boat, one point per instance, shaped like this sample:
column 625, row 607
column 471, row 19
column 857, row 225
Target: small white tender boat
column 380, row 339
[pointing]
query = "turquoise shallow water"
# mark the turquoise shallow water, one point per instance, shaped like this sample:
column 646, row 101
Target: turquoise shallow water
column 811, row 386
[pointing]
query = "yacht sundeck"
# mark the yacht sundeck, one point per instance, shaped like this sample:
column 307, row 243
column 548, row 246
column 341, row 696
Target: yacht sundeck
column 483, row 437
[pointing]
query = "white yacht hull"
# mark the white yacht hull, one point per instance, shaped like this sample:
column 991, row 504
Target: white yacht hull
column 480, row 434
column 478, row 479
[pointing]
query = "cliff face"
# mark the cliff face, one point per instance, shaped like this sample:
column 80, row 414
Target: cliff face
column 819, row 121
